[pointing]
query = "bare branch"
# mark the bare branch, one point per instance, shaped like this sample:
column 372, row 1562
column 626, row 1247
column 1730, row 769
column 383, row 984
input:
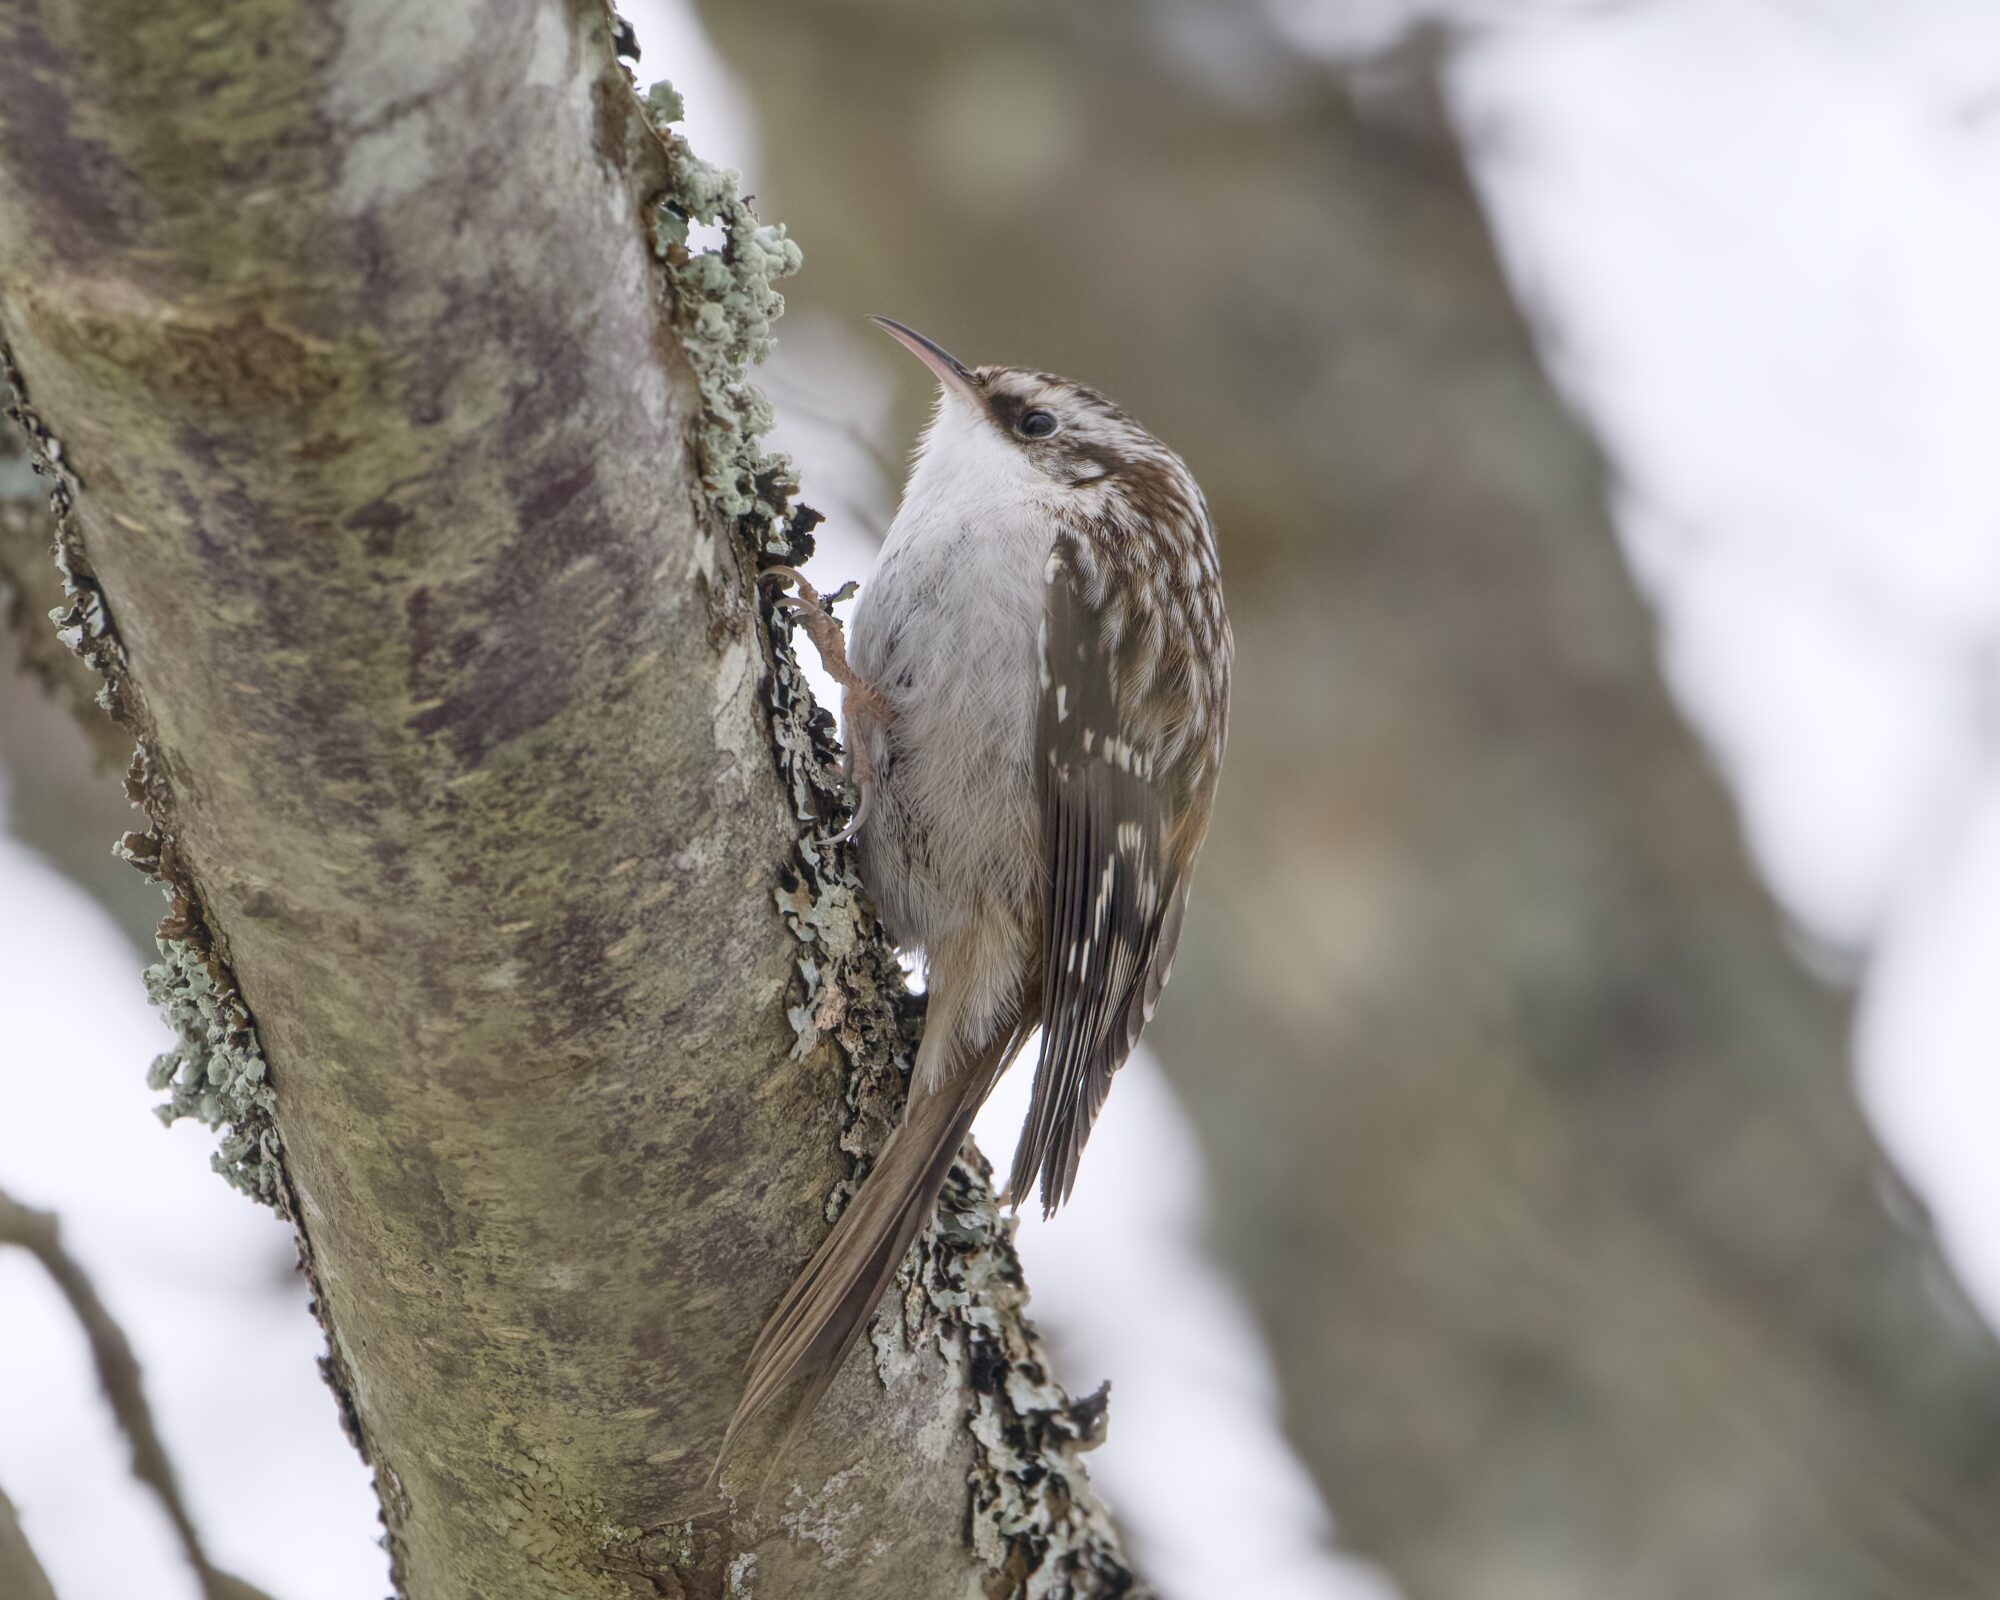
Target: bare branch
column 118, row 1373
column 21, row 1575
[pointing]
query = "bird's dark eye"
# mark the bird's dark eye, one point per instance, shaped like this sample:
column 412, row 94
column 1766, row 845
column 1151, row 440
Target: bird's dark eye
column 1038, row 424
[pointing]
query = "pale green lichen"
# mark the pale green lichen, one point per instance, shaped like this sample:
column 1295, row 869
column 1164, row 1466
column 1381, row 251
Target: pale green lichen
column 724, row 309
column 826, row 1517
column 671, row 1545
column 664, row 101
column 1032, row 1512
column 215, row 1073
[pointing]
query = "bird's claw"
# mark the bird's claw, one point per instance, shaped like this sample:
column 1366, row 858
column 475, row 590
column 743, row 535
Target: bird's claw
column 861, row 808
column 810, row 607
column 808, row 598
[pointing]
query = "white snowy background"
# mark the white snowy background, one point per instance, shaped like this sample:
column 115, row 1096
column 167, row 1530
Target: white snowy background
column 1761, row 242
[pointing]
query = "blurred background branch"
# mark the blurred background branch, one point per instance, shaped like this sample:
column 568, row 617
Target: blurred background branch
column 38, row 1234
column 21, row 1575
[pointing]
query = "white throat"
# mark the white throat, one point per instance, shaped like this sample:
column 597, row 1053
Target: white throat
column 967, row 471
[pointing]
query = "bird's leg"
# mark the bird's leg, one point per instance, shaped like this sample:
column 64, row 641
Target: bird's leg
column 827, row 639
column 861, row 702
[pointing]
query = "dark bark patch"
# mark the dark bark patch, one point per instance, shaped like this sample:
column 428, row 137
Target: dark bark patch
column 81, row 193
column 379, row 521
column 238, row 367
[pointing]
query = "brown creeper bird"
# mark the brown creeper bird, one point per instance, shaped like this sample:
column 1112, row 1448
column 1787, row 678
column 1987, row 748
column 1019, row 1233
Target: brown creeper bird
column 1035, row 710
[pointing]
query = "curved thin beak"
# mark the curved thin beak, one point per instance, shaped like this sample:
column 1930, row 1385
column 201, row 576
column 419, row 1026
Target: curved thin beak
column 951, row 372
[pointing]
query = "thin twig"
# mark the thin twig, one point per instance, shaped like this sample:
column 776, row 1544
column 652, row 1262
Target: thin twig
column 118, row 1371
column 21, row 1575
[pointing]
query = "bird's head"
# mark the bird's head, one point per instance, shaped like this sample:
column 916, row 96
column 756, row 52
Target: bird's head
column 1013, row 428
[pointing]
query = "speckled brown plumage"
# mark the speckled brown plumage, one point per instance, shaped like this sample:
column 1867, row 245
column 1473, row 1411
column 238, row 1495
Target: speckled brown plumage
column 1036, row 710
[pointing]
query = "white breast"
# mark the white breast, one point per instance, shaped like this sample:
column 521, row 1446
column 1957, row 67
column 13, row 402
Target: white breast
column 948, row 629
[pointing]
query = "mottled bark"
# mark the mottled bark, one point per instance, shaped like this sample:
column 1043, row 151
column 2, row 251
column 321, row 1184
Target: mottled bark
column 392, row 507
column 1531, row 1142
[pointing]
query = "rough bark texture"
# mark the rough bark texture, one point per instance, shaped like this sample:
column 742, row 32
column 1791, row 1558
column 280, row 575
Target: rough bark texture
column 403, row 503
column 1531, row 1142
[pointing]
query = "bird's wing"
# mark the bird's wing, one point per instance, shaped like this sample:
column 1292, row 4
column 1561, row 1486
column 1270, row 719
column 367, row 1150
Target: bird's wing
column 1113, row 898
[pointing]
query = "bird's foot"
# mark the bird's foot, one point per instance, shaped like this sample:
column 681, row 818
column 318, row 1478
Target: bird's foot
column 866, row 792
column 815, row 616
column 860, row 698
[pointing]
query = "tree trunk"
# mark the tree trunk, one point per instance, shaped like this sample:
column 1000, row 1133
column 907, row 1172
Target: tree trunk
column 410, row 509
column 1531, row 1142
